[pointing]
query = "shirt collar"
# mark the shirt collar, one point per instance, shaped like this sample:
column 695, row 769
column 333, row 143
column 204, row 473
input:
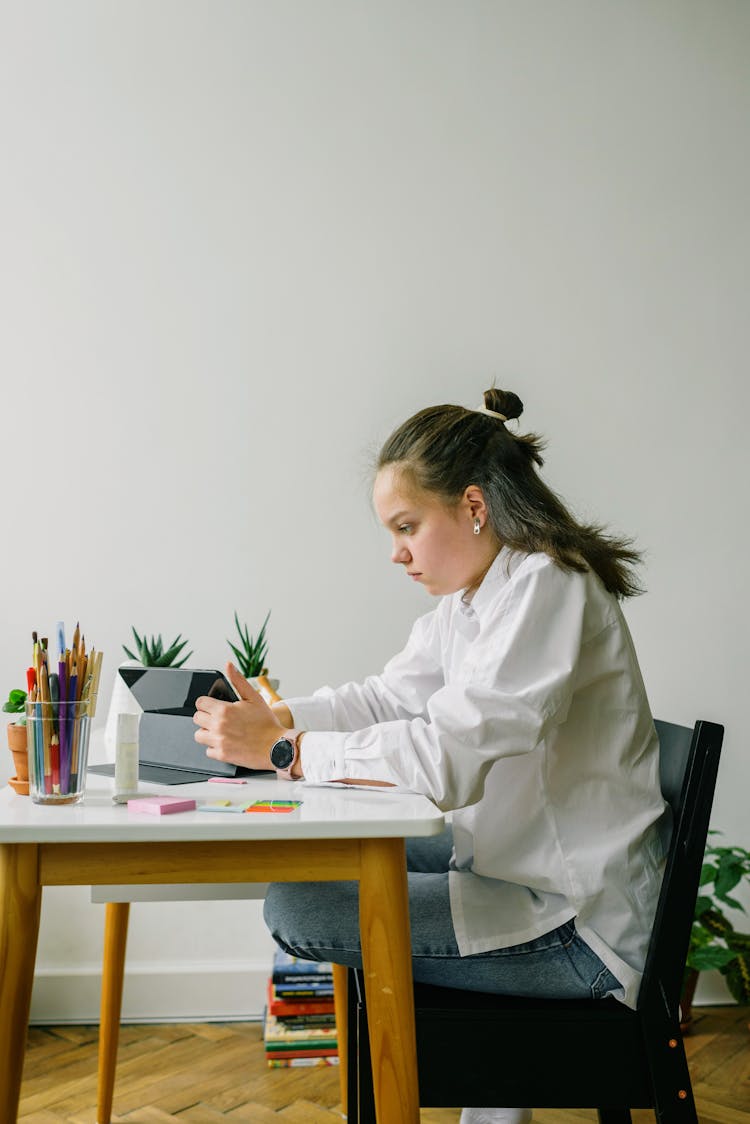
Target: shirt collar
column 498, row 575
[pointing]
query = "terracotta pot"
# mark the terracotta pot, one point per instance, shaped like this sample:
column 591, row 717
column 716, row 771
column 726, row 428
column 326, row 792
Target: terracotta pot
column 17, row 746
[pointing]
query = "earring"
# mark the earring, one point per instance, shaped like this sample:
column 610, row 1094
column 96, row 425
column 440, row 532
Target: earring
column 477, row 525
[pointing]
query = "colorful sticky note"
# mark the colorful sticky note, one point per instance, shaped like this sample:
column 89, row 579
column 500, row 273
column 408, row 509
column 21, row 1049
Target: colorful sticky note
column 161, row 805
column 221, row 806
column 274, row 806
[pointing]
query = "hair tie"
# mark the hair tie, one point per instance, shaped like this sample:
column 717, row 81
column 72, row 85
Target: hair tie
column 492, row 413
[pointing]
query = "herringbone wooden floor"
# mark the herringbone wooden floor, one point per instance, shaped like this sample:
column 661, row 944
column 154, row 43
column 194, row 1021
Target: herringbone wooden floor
column 212, row 1072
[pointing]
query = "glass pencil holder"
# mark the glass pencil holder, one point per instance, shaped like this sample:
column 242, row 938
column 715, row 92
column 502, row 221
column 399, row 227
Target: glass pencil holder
column 58, row 747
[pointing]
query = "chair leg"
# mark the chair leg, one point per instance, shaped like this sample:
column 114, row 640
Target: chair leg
column 361, row 1102
column 614, row 1116
column 340, row 987
column 673, row 1092
column 670, row 1077
column 113, row 972
column 352, row 1053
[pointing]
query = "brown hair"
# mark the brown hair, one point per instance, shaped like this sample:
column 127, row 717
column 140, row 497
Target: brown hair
column 444, row 449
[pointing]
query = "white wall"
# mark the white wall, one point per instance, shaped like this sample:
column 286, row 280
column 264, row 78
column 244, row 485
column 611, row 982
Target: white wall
column 241, row 241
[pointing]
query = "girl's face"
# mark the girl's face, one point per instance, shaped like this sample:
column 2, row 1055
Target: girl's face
column 435, row 543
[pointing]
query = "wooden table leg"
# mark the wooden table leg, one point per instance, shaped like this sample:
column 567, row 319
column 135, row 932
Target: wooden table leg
column 386, row 959
column 20, row 903
column 113, row 974
column 341, row 1002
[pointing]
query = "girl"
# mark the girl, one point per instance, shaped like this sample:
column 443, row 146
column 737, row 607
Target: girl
column 517, row 704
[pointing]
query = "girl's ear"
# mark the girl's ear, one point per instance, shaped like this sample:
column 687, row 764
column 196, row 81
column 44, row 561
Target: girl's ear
column 473, row 499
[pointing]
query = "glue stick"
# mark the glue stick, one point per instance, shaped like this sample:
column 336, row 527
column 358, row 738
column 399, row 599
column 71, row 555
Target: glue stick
column 126, row 758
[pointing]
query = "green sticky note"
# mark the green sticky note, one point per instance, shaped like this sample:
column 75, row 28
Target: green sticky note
column 221, row 806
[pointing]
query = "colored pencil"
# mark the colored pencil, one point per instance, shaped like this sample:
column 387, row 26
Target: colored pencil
column 63, row 726
column 46, row 716
column 38, row 742
column 96, row 676
column 54, row 690
column 82, row 662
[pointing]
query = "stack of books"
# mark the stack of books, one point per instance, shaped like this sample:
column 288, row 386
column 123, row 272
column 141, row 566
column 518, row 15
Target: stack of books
column 299, row 1026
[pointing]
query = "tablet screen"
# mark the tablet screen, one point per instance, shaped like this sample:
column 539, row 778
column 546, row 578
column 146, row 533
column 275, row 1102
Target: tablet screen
column 174, row 690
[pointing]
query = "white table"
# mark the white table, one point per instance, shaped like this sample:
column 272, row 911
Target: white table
column 335, row 834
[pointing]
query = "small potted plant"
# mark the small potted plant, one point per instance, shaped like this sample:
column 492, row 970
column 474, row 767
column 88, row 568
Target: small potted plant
column 714, row 941
column 250, row 653
column 150, row 651
column 16, row 704
column 153, row 653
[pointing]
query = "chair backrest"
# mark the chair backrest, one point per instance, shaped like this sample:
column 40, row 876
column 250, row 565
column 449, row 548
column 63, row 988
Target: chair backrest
column 688, row 764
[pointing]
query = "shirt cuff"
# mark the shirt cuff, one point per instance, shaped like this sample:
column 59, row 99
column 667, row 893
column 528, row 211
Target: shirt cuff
column 322, row 756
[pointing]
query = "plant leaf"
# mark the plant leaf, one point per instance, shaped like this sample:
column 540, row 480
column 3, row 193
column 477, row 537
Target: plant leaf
column 733, row 903
column 708, row 873
column 730, row 873
column 715, row 922
column 252, row 653
column 16, row 701
column 711, row 957
column 173, row 652
column 737, row 975
column 740, row 942
column 702, row 905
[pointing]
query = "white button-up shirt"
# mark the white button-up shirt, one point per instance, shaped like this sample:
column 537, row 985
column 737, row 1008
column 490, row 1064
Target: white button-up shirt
column 523, row 712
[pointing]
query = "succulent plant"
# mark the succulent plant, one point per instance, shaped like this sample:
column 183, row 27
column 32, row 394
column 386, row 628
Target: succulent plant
column 251, row 653
column 16, row 704
column 152, row 653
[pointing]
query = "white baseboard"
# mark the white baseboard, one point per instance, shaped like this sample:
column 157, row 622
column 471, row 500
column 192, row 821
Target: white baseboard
column 712, row 991
column 177, row 992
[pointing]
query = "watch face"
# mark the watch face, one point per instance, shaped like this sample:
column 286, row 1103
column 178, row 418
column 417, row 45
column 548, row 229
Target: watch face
column 282, row 753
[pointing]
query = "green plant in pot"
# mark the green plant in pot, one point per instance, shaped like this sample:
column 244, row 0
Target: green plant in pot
column 16, row 705
column 714, row 941
column 152, row 652
column 250, row 652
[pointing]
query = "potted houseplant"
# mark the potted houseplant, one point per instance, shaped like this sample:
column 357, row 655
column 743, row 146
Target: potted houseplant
column 250, row 653
column 153, row 653
column 16, row 704
column 714, row 941
column 150, row 651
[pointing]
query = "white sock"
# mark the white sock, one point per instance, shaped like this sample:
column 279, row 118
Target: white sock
column 496, row 1116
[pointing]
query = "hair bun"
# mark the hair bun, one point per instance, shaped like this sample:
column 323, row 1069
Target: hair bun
column 503, row 402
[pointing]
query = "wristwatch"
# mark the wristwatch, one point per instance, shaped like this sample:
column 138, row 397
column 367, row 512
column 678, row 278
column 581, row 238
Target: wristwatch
column 285, row 754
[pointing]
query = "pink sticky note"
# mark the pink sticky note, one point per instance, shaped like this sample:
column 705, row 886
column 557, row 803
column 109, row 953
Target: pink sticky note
column 227, row 780
column 161, row 805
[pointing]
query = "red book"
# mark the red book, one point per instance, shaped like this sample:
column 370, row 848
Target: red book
column 297, row 1006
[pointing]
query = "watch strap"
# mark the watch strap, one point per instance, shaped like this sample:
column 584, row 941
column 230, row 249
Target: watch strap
column 293, row 738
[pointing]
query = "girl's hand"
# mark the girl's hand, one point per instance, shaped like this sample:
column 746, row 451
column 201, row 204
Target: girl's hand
column 241, row 732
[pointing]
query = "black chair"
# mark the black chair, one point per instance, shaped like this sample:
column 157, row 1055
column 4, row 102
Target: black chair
column 479, row 1049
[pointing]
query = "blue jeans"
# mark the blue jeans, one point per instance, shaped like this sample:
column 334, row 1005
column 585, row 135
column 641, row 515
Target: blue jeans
column 320, row 921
